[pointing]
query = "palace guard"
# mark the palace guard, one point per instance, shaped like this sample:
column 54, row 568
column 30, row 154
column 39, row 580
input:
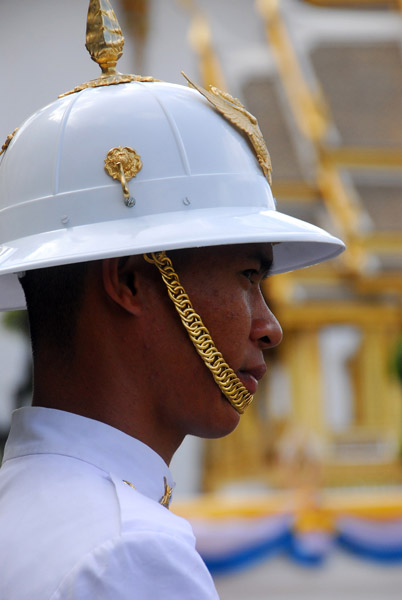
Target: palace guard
column 137, row 223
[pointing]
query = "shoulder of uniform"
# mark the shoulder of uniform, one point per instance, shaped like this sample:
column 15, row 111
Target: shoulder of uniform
column 140, row 513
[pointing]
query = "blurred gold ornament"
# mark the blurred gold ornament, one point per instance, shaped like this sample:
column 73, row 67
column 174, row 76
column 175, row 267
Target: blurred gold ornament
column 137, row 13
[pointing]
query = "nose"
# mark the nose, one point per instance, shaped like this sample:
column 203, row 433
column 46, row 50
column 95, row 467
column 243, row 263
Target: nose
column 266, row 331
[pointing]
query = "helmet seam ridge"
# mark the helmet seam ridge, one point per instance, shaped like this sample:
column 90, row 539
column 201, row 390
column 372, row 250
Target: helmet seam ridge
column 63, row 125
column 176, row 134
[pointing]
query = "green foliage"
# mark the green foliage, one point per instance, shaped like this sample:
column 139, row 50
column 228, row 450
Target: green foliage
column 17, row 320
column 398, row 360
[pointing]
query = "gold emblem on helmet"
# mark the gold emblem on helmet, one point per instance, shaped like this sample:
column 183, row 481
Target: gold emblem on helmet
column 123, row 164
column 234, row 111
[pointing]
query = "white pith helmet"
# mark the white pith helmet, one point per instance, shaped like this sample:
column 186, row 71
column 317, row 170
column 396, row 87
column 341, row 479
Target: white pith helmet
column 200, row 184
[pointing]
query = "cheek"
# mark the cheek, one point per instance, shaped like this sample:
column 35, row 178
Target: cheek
column 228, row 318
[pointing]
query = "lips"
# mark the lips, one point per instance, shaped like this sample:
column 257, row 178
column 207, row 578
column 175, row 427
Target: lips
column 251, row 376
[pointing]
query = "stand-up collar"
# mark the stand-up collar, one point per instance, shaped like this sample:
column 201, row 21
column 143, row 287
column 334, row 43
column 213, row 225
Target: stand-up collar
column 36, row 430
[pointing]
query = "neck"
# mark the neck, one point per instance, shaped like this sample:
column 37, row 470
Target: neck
column 87, row 385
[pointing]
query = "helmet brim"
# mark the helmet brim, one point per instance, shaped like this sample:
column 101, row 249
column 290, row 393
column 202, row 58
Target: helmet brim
column 297, row 244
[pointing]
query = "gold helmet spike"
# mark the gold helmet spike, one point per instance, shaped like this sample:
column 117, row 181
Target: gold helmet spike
column 104, row 39
column 104, row 42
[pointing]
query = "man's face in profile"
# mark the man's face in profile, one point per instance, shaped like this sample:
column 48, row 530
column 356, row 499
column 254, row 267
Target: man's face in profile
column 224, row 286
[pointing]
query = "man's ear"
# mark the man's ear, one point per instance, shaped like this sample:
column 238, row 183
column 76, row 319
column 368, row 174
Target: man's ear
column 119, row 281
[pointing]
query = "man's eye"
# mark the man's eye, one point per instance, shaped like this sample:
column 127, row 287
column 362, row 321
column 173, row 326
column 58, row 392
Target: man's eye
column 251, row 274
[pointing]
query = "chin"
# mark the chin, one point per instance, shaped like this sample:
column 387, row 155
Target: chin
column 223, row 420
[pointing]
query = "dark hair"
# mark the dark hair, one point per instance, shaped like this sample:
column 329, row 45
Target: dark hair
column 53, row 296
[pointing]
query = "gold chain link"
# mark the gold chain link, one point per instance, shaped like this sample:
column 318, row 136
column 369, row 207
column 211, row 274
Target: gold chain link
column 226, row 379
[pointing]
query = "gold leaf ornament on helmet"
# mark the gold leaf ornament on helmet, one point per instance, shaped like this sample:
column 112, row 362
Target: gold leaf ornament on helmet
column 234, row 111
column 8, row 141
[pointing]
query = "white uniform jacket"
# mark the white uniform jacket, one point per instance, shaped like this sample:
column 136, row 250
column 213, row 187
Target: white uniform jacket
column 71, row 529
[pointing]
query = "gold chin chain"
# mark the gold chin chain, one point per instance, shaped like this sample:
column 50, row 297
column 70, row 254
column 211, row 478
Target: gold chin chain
column 226, row 379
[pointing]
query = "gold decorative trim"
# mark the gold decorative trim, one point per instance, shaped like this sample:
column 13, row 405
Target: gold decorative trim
column 129, row 484
column 8, row 140
column 108, row 80
column 226, row 379
column 104, row 42
column 123, row 164
column 234, row 111
column 165, row 500
column 167, row 496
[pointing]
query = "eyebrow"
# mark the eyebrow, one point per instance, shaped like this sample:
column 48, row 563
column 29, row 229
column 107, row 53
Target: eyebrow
column 266, row 263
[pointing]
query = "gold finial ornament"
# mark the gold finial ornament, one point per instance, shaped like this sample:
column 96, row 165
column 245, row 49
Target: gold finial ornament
column 226, row 379
column 123, row 164
column 104, row 42
column 234, row 111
